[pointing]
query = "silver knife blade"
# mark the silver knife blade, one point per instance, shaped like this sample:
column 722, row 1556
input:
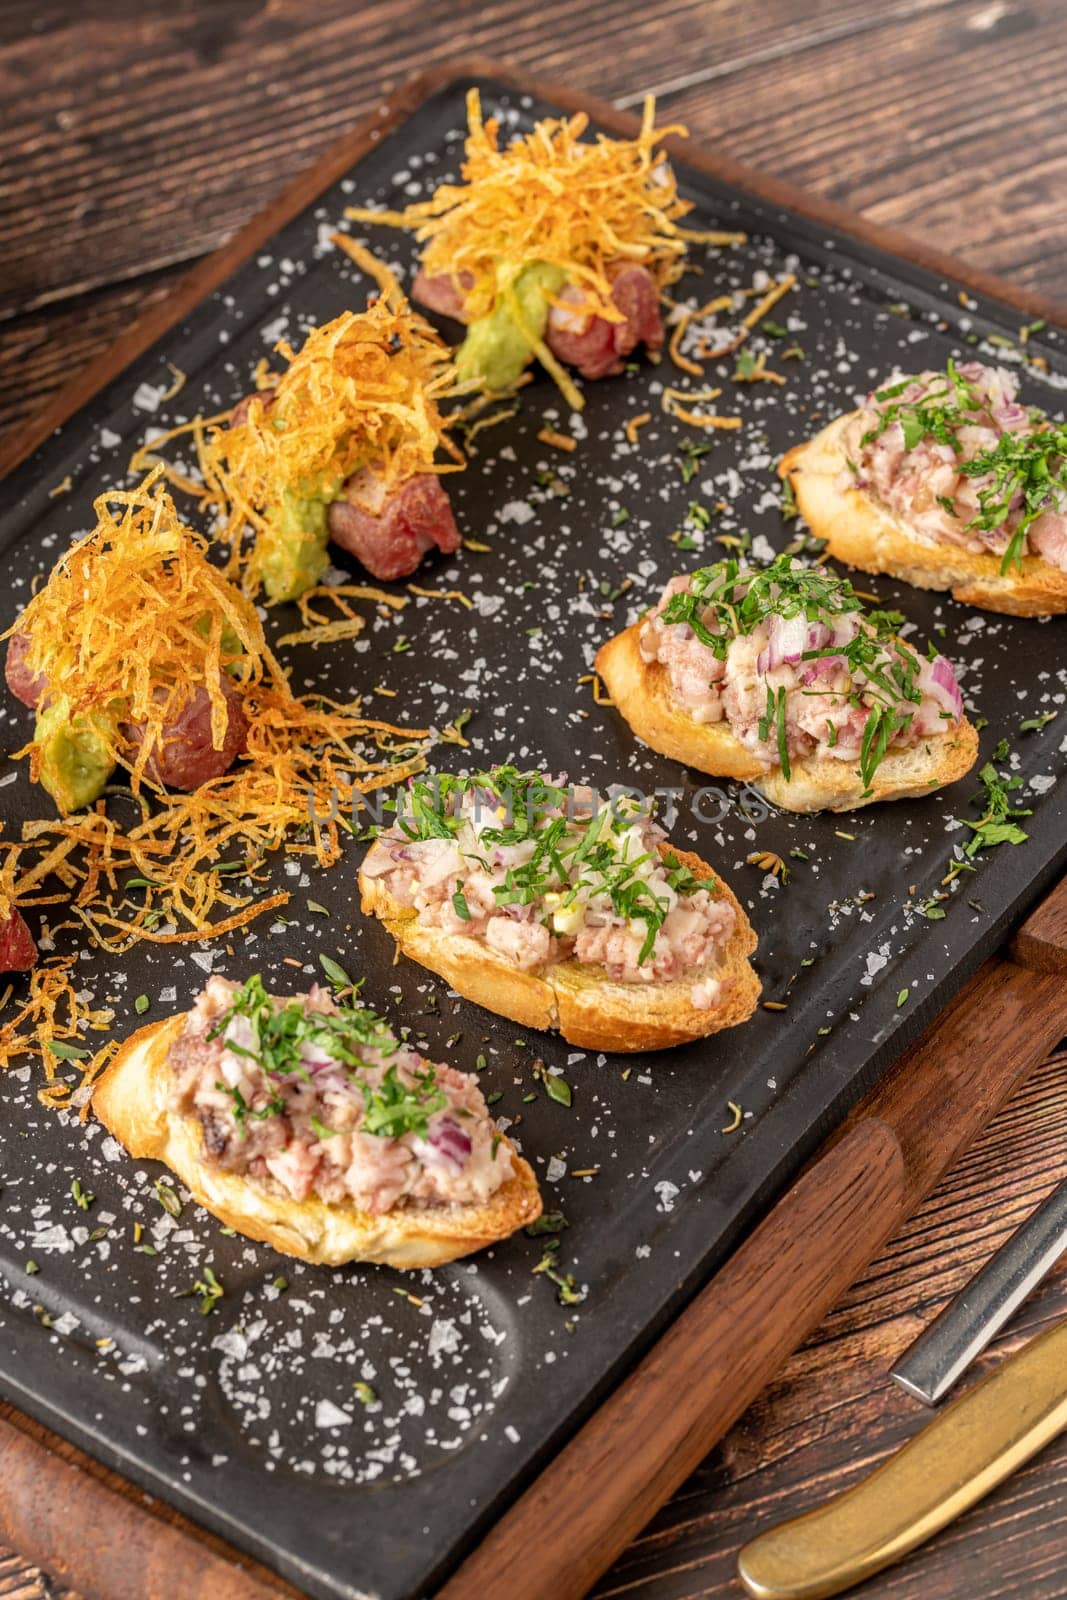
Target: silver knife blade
column 943, row 1353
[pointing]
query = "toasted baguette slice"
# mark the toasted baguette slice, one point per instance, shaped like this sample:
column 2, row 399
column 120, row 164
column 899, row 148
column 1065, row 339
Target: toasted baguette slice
column 131, row 1101
column 865, row 534
column 588, row 1008
column 641, row 690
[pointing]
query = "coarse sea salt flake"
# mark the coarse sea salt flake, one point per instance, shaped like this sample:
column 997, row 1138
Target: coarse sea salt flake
column 517, row 511
column 444, row 1337
column 876, row 960
column 231, row 1343
column 327, row 1415
column 146, row 396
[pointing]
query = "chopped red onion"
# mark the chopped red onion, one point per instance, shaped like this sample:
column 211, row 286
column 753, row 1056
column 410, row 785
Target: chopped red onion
column 823, row 667
column 845, row 628
column 450, row 1144
column 938, row 680
column 789, row 638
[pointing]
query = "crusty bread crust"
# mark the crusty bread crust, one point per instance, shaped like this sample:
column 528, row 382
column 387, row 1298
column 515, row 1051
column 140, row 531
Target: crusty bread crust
column 865, row 534
column 641, row 691
column 588, row 1008
column 131, row 1101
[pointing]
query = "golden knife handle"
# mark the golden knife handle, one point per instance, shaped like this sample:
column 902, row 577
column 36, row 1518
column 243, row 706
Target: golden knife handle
column 971, row 1447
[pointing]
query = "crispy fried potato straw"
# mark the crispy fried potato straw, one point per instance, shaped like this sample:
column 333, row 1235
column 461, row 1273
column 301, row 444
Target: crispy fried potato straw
column 362, row 392
column 551, row 197
column 51, row 1012
column 134, row 613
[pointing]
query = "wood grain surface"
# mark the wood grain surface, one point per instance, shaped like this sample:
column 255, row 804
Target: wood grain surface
column 833, row 1414
column 136, row 137
column 778, row 1285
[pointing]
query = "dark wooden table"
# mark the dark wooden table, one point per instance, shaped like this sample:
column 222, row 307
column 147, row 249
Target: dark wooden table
column 135, row 137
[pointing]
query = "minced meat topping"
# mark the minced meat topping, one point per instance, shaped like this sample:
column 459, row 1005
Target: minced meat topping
column 787, row 658
column 957, row 457
column 319, row 1097
column 544, row 873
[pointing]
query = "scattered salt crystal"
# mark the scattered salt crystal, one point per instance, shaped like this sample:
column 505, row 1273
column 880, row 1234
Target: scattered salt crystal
column 444, row 1337
column 517, row 511
column 231, row 1343
column 876, row 960
column 327, row 1415
column 146, row 396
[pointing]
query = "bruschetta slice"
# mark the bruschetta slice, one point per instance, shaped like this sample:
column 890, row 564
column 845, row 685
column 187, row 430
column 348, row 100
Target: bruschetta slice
column 946, row 481
column 305, row 1123
column 553, row 247
column 561, row 910
column 775, row 676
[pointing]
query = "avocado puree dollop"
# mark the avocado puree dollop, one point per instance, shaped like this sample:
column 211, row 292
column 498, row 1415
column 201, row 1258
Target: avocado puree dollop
column 291, row 550
column 74, row 753
column 496, row 350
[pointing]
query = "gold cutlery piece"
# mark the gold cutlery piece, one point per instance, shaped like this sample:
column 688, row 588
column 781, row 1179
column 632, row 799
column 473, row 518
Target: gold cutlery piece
column 970, row 1448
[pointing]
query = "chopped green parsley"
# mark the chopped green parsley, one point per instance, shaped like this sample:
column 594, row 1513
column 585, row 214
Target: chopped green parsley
column 726, row 601
column 282, row 1031
column 577, row 853
column 1024, row 472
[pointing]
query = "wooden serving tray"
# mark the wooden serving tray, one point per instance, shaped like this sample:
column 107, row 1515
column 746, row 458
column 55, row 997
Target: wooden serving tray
column 89, row 1527
column 105, row 1537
